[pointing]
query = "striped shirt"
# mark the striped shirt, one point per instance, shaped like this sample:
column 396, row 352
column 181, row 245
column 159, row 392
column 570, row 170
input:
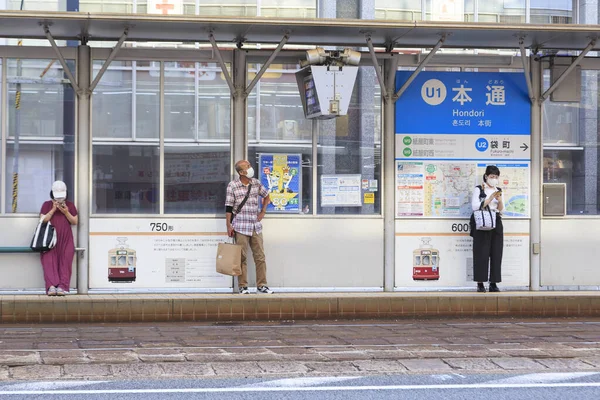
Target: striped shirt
column 246, row 220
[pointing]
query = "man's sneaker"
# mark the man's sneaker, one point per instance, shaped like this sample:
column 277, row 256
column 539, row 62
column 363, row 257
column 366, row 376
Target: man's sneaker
column 264, row 289
column 244, row 290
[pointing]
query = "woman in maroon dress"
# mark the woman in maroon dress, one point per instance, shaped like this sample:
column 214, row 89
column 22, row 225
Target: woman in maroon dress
column 57, row 262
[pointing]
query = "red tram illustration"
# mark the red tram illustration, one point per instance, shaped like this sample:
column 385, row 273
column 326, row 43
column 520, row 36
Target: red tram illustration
column 122, row 262
column 426, row 262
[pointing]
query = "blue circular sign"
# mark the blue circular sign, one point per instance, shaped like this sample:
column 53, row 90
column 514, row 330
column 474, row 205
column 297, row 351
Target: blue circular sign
column 481, row 144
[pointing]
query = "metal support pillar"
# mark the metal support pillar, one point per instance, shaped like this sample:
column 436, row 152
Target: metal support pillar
column 536, row 174
column 266, row 65
column 109, row 60
column 239, row 139
column 384, row 93
column 526, row 69
column 420, row 67
column 217, row 52
column 571, row 67
column 240, row 92
column 62, row 60
column 389, row 177
column 83, row 161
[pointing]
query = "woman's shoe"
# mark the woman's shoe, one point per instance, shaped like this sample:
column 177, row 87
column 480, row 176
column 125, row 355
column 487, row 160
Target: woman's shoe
column 480, row 287
column 60, row 292
column 51, row 291
column 494, row 287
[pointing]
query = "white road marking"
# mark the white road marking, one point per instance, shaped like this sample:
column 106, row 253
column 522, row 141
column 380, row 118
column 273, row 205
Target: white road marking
column 48, row 385
column 302, row 382
column 544, row 377
column 475, row 386
column 443, row 378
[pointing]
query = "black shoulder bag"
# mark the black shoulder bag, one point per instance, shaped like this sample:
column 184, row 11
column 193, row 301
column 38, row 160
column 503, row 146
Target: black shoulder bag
column 233, row 214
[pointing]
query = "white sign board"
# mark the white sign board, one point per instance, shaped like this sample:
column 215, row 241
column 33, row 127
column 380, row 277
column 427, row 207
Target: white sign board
column 341, row 191
column 156, row 253
column 448, row 10
column 165, row 7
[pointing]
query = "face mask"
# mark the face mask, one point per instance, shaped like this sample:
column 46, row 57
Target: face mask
column 493, row 182
column 250, row 173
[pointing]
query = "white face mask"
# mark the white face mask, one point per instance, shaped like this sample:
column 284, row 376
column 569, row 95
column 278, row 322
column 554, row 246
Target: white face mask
column 492, row 181
column 250, row 173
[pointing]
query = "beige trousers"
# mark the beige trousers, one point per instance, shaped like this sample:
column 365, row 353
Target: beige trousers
column 258, row 252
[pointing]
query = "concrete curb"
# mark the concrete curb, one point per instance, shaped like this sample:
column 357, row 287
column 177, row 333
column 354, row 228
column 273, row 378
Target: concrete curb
column 304, row 306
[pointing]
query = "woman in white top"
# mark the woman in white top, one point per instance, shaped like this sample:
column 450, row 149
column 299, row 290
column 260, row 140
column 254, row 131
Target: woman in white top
column 488, row 245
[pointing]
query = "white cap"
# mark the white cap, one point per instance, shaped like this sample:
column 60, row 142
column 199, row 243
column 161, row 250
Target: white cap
column 59, row 190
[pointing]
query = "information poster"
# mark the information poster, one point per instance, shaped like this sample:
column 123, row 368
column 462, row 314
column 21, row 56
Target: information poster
column 444, row 189
column 439, row 254
column 480, row 119
column 281, row 174
column 341, row 191
column 156, row 253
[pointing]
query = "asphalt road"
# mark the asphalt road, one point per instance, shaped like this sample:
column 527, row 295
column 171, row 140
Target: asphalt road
column 547, row 386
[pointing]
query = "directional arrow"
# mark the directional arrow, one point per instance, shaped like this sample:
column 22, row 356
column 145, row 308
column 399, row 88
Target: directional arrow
column 524, row 147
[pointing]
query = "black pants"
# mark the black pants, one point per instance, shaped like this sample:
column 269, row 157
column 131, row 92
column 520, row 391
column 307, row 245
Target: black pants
column 487, row 253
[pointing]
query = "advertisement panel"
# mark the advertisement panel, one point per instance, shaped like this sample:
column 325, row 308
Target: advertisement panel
column 281, row 174
column 439, row 254
column 156, row 253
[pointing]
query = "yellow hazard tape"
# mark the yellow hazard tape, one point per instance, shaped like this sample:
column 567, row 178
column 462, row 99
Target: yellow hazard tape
column 15, row 191
column 18, row 100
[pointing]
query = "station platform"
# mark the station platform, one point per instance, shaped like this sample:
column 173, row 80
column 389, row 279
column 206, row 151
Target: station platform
column 294, row 306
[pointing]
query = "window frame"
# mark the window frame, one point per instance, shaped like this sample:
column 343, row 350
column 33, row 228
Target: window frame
column 30, row 53
column 155, row 55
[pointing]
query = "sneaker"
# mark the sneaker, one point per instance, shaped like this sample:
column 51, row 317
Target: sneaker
column 60, row 292
column 244, row 290
column 264, row 289
column 51, row 291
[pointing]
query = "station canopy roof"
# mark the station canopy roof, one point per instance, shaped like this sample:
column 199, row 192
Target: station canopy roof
column 321, row 32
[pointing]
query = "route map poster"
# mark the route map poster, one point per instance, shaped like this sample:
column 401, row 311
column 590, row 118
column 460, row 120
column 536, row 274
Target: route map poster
column 479, row 119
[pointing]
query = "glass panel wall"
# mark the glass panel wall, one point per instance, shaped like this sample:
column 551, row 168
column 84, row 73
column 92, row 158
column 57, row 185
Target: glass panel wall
column 349, row 153
column 277, row 127
column 552, row 11
column 107, row 6
column 502, row 11
column 497, row 11
column 405, row 10
column 38, row 5
column 571, row 142
column 126, row 132
column 197, row 137
column 288, row 9
column 244, row 8
column 41, row 129
column 126, row 158
column 348, row 147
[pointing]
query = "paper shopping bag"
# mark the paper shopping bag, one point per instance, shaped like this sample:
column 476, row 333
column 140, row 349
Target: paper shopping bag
column 229, row 259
